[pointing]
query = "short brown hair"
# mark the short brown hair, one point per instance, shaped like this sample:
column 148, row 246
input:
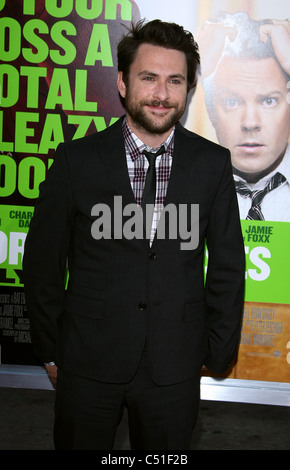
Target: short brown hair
column 162, row 34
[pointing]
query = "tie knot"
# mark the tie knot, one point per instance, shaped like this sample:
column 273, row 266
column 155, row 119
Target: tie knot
column 151, row 156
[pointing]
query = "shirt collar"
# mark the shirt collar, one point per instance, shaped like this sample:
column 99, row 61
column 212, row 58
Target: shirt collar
column 135, row 146
column 284, row 167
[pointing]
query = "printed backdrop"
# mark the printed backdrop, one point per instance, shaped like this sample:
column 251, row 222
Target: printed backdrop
column 57, row 82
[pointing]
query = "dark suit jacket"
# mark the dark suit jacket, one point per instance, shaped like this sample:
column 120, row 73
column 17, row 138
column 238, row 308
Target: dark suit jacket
column 121, row 291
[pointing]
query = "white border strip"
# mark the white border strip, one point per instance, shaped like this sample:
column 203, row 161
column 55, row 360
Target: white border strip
column 230, row 390
column 245, row 391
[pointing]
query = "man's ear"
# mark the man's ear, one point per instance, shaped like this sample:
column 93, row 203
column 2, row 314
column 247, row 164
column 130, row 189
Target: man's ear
column 121, row 85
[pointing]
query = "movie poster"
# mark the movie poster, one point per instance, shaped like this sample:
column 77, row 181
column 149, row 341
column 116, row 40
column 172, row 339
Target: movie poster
column 57, row 82
column 244, row 85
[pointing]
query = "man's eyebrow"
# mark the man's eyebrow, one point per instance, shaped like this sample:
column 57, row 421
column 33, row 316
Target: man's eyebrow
column 226, row 90
column 154, row 74
column 232, row 92
column 148, row 72
column 177, row 75
column 271, row 93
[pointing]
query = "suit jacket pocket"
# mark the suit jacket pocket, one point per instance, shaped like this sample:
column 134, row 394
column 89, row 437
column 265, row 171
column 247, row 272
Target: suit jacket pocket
column 84, row 306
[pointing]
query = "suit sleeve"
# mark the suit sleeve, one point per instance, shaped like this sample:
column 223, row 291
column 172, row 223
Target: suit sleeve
column 225, row 276
column 45, row 257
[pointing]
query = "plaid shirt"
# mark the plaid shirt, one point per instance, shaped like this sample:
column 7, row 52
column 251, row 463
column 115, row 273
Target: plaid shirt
column 138, row 165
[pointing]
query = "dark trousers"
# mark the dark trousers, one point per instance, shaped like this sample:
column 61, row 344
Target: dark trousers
column 87, row 412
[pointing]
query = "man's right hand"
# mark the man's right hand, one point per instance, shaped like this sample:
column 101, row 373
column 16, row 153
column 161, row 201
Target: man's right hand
column 211, row 37
column 52, row 372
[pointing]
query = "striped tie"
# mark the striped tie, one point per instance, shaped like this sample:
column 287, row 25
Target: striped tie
column 149, row 192
column 255, row 212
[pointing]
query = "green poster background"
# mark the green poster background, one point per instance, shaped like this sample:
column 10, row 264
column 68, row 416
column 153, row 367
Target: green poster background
column 267, row 261
column 58, row 71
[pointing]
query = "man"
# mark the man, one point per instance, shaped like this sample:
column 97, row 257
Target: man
column 247, row 95
column 137, row 322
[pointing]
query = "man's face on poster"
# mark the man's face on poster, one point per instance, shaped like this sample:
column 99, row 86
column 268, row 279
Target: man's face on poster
column 251, row 113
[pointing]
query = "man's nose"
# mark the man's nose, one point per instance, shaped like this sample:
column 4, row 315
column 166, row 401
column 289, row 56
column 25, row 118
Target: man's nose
column 161, row 90
column 251, row 121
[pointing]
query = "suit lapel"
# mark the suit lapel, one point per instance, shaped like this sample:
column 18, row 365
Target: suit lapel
column 183, row 160
column 114, row 158
column 182, row 163
column 113, row 155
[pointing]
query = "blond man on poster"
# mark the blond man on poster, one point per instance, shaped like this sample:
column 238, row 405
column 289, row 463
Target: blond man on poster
column 246, row 83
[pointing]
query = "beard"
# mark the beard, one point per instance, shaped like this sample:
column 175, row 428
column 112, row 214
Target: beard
column 147, row 121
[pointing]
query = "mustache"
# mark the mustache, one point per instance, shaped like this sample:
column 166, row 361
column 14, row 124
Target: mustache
column 157, row 103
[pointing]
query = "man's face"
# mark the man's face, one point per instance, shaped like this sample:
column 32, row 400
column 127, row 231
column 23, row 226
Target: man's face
column 251, row 114
column 156, row 92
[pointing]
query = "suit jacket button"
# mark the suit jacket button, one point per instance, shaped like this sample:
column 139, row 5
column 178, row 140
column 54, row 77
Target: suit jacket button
column 142, row 306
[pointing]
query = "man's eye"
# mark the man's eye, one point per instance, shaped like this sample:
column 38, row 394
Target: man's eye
column 269, row 102
column 231, row 102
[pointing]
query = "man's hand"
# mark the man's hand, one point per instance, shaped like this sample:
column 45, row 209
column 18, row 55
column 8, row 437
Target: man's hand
column 52, row 372
column 211, row 37
column 279, row 33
